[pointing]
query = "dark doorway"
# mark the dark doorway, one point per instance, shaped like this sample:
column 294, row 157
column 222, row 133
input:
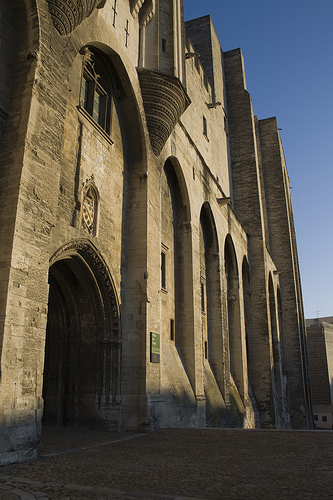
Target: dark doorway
column 82, row 352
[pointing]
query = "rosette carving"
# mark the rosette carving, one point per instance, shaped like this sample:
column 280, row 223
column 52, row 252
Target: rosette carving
column 164, row 101
column 67, row 14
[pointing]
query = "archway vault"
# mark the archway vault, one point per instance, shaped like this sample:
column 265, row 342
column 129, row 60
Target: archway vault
column 83, row 342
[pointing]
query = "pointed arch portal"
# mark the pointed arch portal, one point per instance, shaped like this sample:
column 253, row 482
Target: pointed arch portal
column 81, row 383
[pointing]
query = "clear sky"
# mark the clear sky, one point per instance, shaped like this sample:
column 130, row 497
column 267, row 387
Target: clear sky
column 288, row 54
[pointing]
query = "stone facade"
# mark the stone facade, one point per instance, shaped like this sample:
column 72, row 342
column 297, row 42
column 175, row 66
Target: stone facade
column 149, row 273
column 320, row 354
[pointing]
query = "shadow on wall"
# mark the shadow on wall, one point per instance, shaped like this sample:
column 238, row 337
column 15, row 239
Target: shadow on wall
column 179, row 409
column 20, row 441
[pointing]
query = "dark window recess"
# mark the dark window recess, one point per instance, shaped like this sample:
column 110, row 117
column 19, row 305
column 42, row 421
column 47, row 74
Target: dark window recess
column 206, row 349
column 163, row 270
column 95, row 95
column 204, row 126
column 324, row 418
column 202, row 297
column 172, row 329
column 316, row 417
column 164, row 45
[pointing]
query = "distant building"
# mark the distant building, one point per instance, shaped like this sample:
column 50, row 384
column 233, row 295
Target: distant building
column 320, row 355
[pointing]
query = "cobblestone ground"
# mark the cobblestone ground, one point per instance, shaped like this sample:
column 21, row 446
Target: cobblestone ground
column 175, row 464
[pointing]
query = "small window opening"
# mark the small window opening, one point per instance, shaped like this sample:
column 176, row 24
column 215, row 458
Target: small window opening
column 206, row 349
column 164, row 45
column 172, row 329
column 316, row 417
column 324, row 418
column 202, row 297
column 163, row 270
column 204, row 125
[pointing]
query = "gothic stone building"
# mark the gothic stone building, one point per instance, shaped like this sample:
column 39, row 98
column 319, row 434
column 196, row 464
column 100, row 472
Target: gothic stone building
column 149, row 272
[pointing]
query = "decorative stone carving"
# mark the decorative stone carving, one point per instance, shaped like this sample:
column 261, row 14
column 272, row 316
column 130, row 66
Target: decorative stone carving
column 89, row 206
column 144, row 8
column 164, row 100
column 90, row 254
column 67, row 14
column 136, row 5
column 88, row 210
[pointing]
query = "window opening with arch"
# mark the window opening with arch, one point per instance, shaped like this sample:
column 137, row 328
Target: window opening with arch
column 96, row 88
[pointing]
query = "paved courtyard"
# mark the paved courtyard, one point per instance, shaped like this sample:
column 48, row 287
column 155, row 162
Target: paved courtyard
column 173, row 464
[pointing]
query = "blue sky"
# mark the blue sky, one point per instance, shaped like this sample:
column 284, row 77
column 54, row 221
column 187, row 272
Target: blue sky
column 288, row 53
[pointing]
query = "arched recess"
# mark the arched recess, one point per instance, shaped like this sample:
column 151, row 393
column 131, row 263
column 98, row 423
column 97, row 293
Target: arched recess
column 210, row 283
column 82, row 366
column 247, row 293
column 233, row 308
column 276, row 371
column 176, row 262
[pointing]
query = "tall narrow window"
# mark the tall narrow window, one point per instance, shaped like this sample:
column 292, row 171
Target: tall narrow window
column 163, row 270
column 172, row 329
column 204, row 125
column 95, row 95
column 206, row 349
column 202, row 296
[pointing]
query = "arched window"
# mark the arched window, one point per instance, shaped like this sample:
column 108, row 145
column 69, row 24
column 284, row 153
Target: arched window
column 95, row 95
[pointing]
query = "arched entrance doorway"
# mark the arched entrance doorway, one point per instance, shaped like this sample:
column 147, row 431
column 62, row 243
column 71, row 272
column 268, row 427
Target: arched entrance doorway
column 81, row 383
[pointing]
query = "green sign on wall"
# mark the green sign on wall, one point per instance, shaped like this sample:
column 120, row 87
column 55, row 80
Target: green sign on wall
column 154, row 347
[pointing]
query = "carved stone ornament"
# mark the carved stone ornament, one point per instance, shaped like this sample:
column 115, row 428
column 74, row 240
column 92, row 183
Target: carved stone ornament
column 88, row 211
column 89, row 206
column 164, row 100
column 91, row 256
column 67, row 14
column 143, row 8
